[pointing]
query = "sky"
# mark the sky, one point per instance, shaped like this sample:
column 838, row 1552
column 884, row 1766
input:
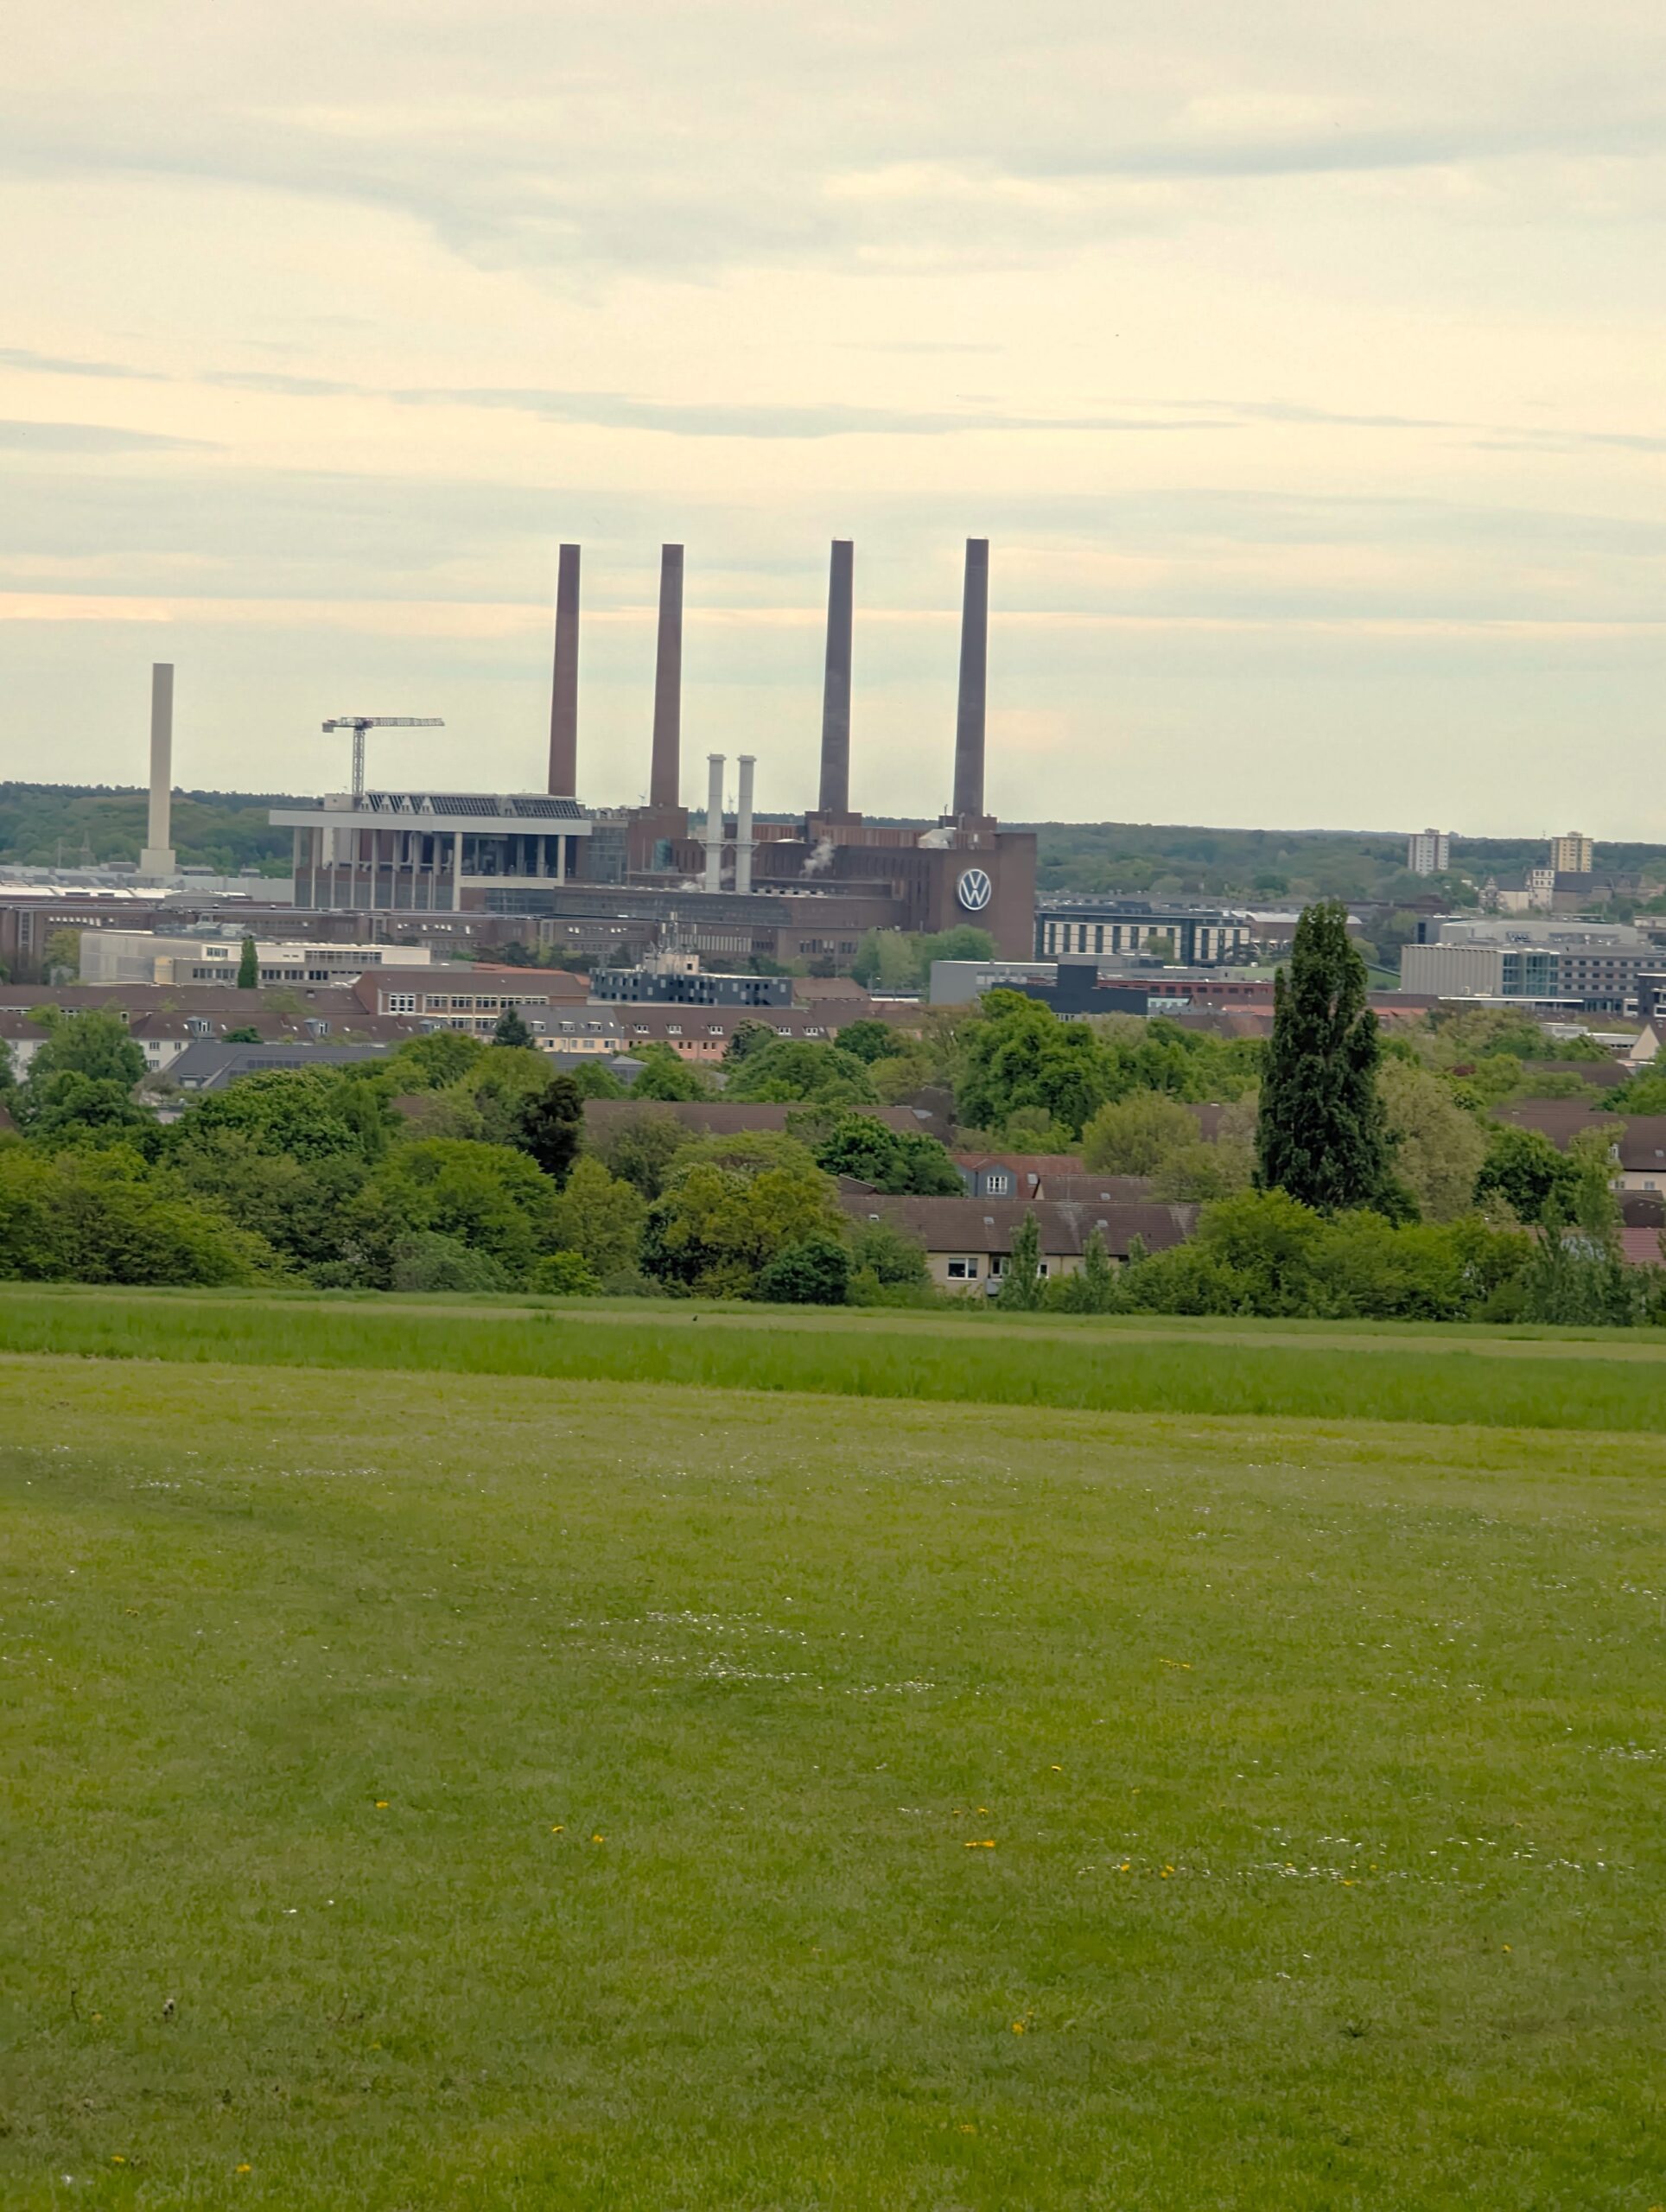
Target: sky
column 1302, row 363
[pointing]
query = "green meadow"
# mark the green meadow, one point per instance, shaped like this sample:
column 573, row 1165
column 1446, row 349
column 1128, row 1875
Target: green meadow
column 467, row 1756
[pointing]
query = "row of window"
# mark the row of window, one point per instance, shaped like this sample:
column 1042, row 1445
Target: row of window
column 964, row 1269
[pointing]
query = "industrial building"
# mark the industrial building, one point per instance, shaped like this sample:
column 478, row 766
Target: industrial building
column 148, row 957
column 802, row 889
column 1592, row 967
column 1104, row 927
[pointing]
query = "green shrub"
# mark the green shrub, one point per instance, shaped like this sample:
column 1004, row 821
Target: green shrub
column 815, row 1272
column 427, row 1261
column 568, row 1274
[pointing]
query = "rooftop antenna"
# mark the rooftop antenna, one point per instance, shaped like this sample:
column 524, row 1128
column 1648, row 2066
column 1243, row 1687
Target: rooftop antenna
column 359, row 723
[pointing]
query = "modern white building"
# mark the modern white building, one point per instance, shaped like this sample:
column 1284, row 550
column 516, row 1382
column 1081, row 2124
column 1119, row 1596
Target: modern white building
column 145, row 956
column 1593, row 966
column 434, row 852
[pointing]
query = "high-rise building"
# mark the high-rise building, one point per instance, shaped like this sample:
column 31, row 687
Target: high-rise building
column 1429, row 853
column 1572, row 854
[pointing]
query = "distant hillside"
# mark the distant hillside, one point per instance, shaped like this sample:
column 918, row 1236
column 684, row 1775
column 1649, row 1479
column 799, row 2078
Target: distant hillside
column 46, row 825
column 1174, row 862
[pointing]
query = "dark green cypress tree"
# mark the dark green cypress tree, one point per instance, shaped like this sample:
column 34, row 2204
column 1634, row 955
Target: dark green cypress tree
column 248, row 967
column 1321, row 1134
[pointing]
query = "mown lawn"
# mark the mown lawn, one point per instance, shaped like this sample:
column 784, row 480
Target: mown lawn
column 477, row 1790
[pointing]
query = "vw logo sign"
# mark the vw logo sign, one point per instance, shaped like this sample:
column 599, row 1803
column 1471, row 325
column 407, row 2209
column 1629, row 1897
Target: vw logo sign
column 975, row 890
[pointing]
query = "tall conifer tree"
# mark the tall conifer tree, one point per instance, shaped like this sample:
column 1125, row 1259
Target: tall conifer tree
column 1321, row 1134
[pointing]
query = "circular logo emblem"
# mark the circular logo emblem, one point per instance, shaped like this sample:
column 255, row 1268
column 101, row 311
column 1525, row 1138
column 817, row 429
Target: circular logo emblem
column 975, row 890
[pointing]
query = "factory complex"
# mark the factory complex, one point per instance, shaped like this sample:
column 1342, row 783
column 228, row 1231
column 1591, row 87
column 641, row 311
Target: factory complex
column 787, row 891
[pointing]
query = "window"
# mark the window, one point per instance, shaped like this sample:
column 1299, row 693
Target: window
column 401, row 1002
column 999, row 1181
column 962, row 1270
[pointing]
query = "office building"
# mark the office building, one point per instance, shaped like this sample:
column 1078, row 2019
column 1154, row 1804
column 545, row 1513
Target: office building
column 1591, row 967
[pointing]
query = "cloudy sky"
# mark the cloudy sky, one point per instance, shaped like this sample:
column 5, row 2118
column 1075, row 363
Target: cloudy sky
column 1302, row 362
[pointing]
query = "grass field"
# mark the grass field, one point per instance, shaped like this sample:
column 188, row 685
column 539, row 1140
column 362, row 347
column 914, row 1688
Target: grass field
column 1612, row 1380
column 464, row 1785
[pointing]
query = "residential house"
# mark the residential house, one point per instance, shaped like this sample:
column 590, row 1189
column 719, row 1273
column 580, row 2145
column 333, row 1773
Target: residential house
column 1639, row 1153
column 1013, row 1175
column 968, row 1241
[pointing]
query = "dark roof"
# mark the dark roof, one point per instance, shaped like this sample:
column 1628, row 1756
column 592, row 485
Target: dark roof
column 990, row 1225
column 1601, row 1074
column 1640, row 1142
column 1562, row 1120
column 1027, row 1166
column 207, row 1065
column 221, row 1003
column 1208, row 1119
column 806, row 989
column 724, row 1117
column 1083, row 1189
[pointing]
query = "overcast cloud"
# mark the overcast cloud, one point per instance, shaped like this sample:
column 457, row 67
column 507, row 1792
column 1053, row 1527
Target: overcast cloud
column 1302, row 362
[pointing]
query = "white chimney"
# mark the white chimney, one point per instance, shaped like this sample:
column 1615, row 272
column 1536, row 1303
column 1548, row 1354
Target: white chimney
column 743, row 840
column 157, row 858
column 715, row 822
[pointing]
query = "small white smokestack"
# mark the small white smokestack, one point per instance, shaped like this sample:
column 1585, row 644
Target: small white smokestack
column 715, row 822
column 157, row 858
column 743, row 826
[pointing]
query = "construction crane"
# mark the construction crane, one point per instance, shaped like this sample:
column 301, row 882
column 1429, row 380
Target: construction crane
column 359, row 723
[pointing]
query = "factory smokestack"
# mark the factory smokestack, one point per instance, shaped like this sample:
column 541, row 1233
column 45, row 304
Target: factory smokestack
column 836, row 686
column 713, row 822
column 665, row 774
column 973, row 680
column 743, row 826
column 157, row 858
column 563, row 690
